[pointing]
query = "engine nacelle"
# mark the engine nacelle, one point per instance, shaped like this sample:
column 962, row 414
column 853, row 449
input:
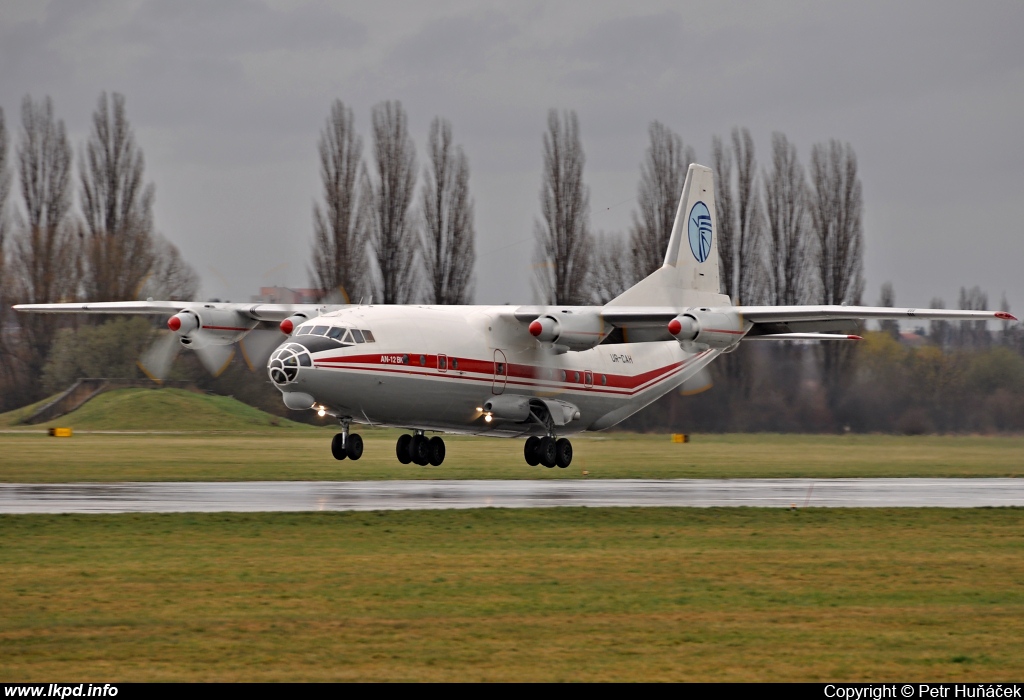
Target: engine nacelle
column 572, row 330
column 715, row 329
column 210, row 326
column 289, row 324
column 509, row 407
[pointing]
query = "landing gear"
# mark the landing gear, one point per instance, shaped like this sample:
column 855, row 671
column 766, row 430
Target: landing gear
column 345, row 445
column 419, row 449
column 530, row 450
column 548, row 451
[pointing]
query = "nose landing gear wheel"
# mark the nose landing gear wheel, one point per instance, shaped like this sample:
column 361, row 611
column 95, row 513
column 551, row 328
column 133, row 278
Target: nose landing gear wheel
column 548, row 452
column 530, row 450
column 338, row 446
column 435, row 449
column 563, row 449
column 354, row 447
column 402, row 448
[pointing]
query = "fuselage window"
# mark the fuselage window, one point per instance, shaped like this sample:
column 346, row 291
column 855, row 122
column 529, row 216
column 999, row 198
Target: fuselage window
column 319, row 330
column 563, row 375
column 442, row 362
column 576, row 376
column 423, row 360
column 455, row 363
column 368, row 336
column 357, row 335
column 604, row 379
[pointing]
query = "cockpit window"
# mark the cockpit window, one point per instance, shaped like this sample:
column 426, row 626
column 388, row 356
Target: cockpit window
column 368, row 336
column 357, row 335
column 319, row 330
column 304, row 330
column 336, row 333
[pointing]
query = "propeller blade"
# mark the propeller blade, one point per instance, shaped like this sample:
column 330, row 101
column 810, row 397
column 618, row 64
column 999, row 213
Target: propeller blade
column 258, row 344
column 156, row 362
column 697, row 383
column 215, row 358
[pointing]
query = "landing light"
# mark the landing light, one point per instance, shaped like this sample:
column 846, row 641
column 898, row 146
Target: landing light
column 488, row 418
column 321, row 412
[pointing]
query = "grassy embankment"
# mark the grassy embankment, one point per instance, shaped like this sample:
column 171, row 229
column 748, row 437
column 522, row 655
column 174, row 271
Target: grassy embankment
column 217, row 438
column 562, row 594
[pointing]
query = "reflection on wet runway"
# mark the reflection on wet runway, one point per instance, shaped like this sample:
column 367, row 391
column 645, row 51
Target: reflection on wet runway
column 256, row 496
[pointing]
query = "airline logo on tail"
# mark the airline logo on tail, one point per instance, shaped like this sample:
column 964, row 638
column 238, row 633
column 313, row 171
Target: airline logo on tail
column 700, row 231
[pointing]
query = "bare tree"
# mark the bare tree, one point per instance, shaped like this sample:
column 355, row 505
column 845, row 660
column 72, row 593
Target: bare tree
column 392, row 240
column 973, row 334
column 170, row 277
column 44, row 256
column 740, row 218
column 448, row 235
column 117, row 206
column 611, row 268
column 338, row 247
column 939, row 332
column 662, row 174
column 5, row 190
column 835, row 208
column 888, row 298
column 563, row 238
column 787, row 246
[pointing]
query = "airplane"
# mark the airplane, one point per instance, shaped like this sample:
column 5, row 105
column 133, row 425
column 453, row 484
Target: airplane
column 542, row 373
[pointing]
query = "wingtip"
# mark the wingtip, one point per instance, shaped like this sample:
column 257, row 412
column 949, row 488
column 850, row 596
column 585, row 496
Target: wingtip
column 1005, row 316
column 854, row 337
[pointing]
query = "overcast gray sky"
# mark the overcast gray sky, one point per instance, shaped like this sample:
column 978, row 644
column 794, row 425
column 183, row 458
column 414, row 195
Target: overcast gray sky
column 228, row 98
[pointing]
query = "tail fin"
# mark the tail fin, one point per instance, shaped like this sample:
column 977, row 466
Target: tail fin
column 689, row 275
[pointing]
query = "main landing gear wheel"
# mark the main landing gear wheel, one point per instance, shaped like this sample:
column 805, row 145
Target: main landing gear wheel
column 402, row 448
column 563, row 450
column 530, row 450
column 435, row 451
column 547, row 450
column 418, row 450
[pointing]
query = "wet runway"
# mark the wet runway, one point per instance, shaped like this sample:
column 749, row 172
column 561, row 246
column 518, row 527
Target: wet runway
column 257, row 496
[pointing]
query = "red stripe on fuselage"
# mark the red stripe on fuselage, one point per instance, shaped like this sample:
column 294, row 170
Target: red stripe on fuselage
column 545, row 378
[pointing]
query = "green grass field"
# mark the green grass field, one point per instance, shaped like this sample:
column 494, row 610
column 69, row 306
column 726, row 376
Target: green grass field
column 304, row 454
column 556, row 594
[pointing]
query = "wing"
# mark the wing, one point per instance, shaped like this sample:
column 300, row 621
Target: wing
column 650, row 323
column 257, row 312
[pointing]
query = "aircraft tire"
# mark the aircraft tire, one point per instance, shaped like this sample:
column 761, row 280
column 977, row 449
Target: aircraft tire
column 530, row 450
column 354, row 448
column 548, row 452
column 563, row 451
column 418, row 450
column 435, row 447
column 338, row 447
column 402, row 448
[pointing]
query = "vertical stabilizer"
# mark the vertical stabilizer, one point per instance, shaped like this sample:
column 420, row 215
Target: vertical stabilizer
column 690, row 274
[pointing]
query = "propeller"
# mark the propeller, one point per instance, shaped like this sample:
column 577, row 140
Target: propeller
column 258, row 344
column 156, row 362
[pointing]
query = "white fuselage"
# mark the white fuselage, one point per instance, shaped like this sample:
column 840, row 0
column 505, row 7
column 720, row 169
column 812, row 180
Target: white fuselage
column 433, row 367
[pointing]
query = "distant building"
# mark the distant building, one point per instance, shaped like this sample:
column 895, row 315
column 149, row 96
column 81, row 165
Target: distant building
column 287, row 295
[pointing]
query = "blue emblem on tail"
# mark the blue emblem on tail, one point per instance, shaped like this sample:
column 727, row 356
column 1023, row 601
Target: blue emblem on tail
column 700, row 231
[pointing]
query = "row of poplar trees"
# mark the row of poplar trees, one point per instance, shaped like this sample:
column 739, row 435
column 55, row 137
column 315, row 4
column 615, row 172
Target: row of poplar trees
column 785, row 235
column 103, row 249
